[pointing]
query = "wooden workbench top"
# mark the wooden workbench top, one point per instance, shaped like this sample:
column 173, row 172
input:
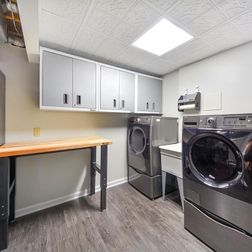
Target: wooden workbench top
column 29, row 148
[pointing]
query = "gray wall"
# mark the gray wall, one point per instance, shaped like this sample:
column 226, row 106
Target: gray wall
column 43, row 178
column 228, row 73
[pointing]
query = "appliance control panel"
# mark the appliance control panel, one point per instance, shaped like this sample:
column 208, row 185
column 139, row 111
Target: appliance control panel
column 233, row 121
column 219, row 121
column 140, row 120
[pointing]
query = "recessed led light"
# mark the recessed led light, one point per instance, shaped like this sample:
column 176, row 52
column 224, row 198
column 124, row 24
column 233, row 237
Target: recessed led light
column 162, row 37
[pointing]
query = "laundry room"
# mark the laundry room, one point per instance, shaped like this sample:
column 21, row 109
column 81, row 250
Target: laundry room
column 125, row 125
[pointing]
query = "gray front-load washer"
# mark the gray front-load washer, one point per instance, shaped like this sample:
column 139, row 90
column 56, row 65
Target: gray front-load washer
column 145, row 135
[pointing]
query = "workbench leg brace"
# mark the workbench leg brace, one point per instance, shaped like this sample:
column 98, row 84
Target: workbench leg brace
column 102, row 169
column 7, row 197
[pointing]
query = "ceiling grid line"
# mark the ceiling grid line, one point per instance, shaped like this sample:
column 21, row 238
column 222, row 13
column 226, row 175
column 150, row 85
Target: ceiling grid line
column 90, row 7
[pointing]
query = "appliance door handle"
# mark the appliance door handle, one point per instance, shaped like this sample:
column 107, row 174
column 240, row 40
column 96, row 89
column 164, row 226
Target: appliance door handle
column 65, row 98
column 147, row 141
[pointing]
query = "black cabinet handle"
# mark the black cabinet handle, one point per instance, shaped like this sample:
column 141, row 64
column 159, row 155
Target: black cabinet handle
column 123, row 103
column 153, row 105
column 78, row 99
column 147, row 105
column 114, row 103
column 65, row 98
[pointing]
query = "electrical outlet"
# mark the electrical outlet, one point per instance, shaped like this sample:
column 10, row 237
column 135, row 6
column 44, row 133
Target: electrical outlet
column 36, row 132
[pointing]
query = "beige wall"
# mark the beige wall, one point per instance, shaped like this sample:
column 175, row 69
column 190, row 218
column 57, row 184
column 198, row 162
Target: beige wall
column 46, row 177
column 228, row 73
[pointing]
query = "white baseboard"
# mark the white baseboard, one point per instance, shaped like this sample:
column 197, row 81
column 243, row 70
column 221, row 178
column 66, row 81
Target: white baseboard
column 63, row 199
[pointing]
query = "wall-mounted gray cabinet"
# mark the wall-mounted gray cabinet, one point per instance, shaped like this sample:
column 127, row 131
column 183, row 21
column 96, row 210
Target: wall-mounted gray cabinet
column 149, row 94
column 56, row 80
column 117, row 89
column 67, row 82
column 127, row 91
column 84, row 84
column 110, row 89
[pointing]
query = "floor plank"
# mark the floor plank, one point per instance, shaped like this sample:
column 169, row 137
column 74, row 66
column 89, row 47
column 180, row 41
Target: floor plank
column 131, row 223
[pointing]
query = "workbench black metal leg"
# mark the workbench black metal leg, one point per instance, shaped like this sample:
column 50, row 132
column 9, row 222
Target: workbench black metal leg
column 12, row 188
column 93, row 170
column 103, row 182
column 4, row 202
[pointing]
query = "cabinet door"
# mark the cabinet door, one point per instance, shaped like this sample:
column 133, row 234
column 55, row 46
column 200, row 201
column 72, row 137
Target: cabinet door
column 156, row 95
column 127, row 91
column 149, row 94
column 144, row 93
column 84, row 84
column 110, row 81
column 56, row 80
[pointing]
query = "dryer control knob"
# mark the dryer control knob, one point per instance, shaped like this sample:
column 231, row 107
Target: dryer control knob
column 211, row 122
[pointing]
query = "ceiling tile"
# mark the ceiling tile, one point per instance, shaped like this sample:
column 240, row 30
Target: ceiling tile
column 109, row 49
column 206, row 21
column 223, row 37
column 232, row 8
column 160, row 66
column 216, row 2
column 244, row 24
column 191, row 51
column 88, row 40
column 186, row 11
column 101, row 22
column 126, row 34
column 56, row 30
column 69, row 9
column 116, row 8
column 141, row 15
column 173, row 54
column 162, row 5
column 136, row 56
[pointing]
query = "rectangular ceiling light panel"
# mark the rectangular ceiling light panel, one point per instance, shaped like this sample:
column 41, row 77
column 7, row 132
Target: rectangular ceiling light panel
column 162, row 37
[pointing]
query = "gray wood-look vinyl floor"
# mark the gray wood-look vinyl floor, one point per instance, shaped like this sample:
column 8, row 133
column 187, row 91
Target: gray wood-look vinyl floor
column 131, row 222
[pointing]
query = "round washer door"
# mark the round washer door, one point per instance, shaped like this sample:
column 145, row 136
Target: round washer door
column 137, row 140
column 215, row 160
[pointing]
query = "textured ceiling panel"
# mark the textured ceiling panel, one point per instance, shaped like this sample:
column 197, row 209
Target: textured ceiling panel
column 125, row 34
column 218, row 37
column 87, row 41
column 232, row 8
column 206, row 21
column 106, row 29
column 116, row 8
column 142, row 15
column 101, row 22
column 56, row 30
column 186, row 11
column 244, row 25
column 161, row 5
column 68, row 9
